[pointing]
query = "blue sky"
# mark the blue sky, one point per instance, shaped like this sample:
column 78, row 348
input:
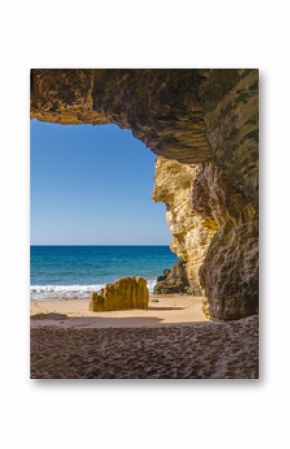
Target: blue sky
column 91, row 185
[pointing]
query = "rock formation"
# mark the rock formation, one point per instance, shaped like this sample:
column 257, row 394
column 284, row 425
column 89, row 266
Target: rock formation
column 191, row 232
column 204, row 117
column 124, row 293
column 173, row 281
column 214, row 230
column 233, row 254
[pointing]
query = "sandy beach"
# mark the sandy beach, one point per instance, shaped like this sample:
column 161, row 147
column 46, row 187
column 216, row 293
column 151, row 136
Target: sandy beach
column 170, row 340
column 169, row 310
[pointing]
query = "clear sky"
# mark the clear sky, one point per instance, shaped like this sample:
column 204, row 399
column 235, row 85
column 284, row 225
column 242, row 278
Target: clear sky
column 92, row 185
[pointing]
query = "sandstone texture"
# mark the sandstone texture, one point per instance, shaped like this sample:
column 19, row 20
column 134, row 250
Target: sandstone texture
column 215, row 232
column 124, row 293
column 191, row 232
column 229, row 274
column 205, row 121
column 173, row 281
column 230, row 100
column 154, row 104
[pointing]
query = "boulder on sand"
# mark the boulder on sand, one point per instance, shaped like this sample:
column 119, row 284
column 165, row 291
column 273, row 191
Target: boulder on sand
column 173, row 281
column 124, row 293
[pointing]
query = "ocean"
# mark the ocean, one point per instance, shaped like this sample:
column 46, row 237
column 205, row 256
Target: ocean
column 75, row 271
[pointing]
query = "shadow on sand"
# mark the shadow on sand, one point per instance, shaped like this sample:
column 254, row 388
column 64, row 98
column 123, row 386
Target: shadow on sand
column 64, row 321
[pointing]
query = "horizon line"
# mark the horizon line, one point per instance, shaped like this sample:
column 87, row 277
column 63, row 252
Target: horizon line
column 79, row 244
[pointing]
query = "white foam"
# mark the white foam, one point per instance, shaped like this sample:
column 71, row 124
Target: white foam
column 45, row 292
column 151, row 284
column 62, row 291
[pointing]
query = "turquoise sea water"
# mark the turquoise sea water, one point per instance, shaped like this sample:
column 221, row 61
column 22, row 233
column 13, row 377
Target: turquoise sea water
column 74, row 271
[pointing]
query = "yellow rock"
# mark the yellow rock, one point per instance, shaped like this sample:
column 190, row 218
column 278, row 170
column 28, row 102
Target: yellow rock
column 191, row 232
column 124, row 293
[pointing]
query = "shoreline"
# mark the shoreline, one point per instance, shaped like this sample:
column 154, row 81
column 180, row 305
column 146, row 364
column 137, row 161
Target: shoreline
column 73, row 291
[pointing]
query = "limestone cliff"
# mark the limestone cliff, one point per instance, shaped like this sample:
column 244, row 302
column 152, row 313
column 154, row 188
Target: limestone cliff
column 215, row 232
column 233, row 254
column 230, row 100
column 191, row 232
column 204, row 117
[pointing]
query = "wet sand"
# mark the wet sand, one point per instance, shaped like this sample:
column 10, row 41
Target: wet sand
column 170, row 340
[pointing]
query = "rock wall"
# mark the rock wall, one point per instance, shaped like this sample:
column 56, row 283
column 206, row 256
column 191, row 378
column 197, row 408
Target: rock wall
column 191, row 232
column 230, row 270
column 215, row 233
column 124, row 293
column 230, row 100
column 204, row 117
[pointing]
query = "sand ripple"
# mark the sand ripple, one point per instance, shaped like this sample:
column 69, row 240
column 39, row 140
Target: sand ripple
column 198, row 351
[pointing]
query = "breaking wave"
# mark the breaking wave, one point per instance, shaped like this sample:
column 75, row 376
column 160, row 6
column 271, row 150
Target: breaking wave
column 45, row 292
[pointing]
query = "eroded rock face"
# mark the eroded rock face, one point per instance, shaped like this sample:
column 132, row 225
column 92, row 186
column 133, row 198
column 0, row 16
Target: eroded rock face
column 204, row 117
column 187, row 115
column 230, row 100
column 149, row 102
column 173, row 281
column 191, row 232
column 215, row 232
column 229, row 272
column 124, row 293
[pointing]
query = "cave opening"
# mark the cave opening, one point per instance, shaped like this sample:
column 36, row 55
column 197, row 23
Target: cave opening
column 191, row 117
column 91, row 189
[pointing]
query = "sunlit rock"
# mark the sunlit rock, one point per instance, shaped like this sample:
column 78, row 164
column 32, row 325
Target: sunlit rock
column 191, row 233
column 173, row 281
column 206, row 120
column 124, row 293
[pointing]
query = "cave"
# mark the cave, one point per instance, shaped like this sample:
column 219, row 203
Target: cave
column 203, row 124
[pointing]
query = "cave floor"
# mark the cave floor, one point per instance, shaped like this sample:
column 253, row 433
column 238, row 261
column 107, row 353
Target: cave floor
column 170, row 340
